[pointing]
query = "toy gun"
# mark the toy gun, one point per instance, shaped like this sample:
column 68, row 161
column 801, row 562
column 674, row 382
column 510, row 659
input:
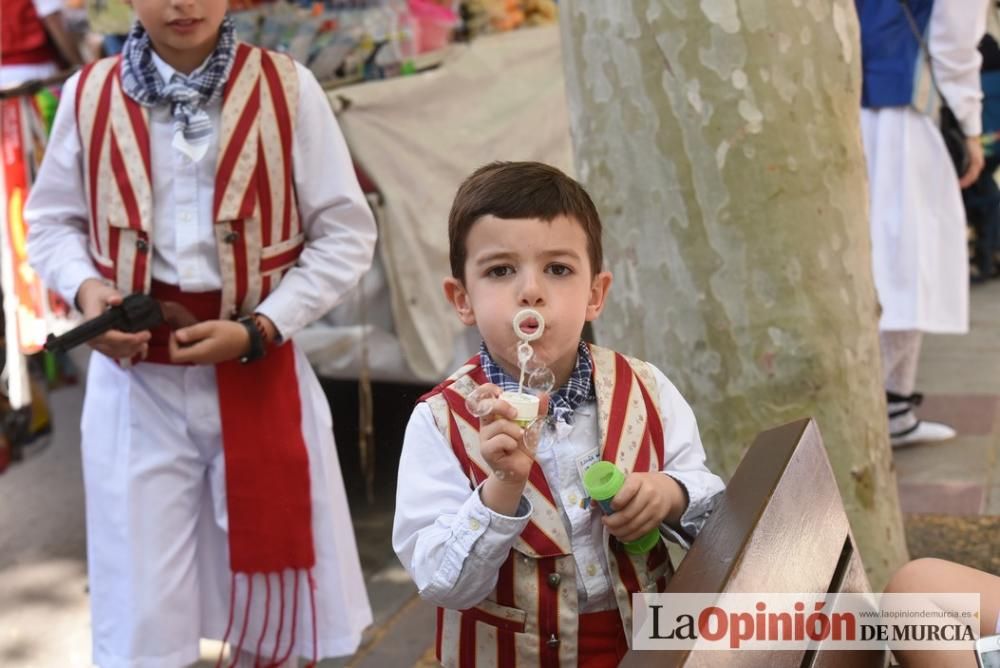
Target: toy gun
column 136, row 313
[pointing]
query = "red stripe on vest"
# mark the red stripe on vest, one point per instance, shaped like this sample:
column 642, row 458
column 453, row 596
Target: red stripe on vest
column 239, row 60
column 537, row 478
column 653, row 424
column 456, row 403
column 114, row 241
column 141, row 260
column 281, row 259
column 467, row 642
column 619, row 407
column 239, row 247
column 548, row 614
column 264, row 188
column 101, row 122
column 540, row 541
column 124, row 184
column 470, row 467
column 239, row 136
column 506, row 646
column 84, row 75
column 440, row 633
column 501, row 623
column 282, row 116
column 657, row 556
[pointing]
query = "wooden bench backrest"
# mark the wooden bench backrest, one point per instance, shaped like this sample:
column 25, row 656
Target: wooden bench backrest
column 780, row 527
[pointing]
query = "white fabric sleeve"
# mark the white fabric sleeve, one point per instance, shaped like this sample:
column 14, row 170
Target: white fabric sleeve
column 684, row 461
column 337, row 221
column 953, row 35
column 449, row 542
column 56, row 211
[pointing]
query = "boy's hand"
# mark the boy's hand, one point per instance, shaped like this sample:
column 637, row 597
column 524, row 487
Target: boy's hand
column 501, row 442
column 209, row 342
column 645, row 501
column 93, row 298
column 976, row 162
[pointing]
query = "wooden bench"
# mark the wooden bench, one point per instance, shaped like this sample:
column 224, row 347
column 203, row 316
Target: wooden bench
column 780, row 527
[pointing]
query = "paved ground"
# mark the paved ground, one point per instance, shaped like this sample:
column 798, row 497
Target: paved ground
column 951, row 493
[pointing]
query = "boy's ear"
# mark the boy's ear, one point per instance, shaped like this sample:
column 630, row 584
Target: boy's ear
column 457, row 296
column 598, row 293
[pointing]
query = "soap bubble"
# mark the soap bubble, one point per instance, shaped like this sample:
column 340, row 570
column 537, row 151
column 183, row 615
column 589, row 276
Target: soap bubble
column 482, row 400
column 533, row 434
column 524, row 354
column 540, row 380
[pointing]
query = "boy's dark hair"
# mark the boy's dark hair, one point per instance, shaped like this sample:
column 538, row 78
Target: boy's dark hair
column 520, row 190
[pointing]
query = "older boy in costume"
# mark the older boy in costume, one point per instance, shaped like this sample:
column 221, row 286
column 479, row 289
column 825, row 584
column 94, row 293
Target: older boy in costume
column 525, row 571
column 212, row 175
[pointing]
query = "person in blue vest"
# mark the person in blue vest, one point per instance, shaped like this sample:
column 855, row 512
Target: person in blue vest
column 917, row 219
column 982, row 198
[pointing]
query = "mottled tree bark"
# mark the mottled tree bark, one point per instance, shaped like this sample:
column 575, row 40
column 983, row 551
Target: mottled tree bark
column 720, row 141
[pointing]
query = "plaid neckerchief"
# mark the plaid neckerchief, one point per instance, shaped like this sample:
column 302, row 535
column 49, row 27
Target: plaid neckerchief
column 187, row 95
column 564, row 401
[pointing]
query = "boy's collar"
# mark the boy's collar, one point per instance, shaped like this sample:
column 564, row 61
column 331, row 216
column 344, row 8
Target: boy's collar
column 167, row 71
column 579, row 388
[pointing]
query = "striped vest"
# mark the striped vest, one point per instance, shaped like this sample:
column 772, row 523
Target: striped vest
column 531, row 617
column 257, row 229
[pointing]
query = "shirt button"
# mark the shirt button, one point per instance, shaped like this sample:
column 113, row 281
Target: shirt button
column 141, row 245
column 186, row 216
column 231, row 237
column 552, row 642
column 554, row 580
column 474, row 524
column 591, row 570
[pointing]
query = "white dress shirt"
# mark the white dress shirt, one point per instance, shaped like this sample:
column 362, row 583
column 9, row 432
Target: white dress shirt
column 453, row 545
column 336, row 219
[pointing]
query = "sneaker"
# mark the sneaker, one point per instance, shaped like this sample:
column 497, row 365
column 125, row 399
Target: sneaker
column 922, row 432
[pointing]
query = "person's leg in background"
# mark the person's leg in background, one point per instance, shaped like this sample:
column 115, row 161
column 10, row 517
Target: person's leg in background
column 900, row 356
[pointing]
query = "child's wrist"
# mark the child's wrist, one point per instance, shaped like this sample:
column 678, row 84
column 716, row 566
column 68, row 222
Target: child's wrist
column 502, row 496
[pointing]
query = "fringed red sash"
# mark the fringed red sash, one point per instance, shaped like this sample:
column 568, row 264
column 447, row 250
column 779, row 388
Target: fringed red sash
column 267, row 477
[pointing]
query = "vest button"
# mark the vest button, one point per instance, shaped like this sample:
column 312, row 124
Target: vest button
column 552, row 642
column 141, row 245
column 231, row 237
column 554, row 580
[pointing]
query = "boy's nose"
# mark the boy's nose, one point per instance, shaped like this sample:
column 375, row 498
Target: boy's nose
column 531, row 292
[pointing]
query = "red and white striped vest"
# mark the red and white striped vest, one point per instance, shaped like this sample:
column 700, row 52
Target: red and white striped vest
column 257, row 229
column 531, row 617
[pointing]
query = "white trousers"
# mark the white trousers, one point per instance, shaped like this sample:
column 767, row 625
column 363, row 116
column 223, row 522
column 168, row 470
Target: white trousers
column 158, row 555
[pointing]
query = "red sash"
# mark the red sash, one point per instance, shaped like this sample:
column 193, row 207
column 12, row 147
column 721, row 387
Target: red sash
column 267, row 471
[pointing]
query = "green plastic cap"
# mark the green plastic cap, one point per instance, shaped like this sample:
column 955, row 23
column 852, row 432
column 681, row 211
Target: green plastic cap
column 644, row 544
column 603, row 480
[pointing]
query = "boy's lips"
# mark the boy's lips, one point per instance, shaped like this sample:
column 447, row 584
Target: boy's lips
column 184, row 25
column 529, row 326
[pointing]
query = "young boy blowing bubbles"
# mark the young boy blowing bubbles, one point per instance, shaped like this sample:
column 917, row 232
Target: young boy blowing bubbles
column 213, row 176
column 524, row 570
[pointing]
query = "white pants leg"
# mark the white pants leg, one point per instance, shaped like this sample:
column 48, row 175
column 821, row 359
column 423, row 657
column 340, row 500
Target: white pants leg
column 156, row 520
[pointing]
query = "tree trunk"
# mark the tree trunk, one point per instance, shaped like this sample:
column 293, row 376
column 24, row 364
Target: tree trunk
column 720, row 140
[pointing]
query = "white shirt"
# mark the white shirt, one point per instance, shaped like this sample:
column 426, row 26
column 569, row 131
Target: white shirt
column 336, row 219
column 453, row 546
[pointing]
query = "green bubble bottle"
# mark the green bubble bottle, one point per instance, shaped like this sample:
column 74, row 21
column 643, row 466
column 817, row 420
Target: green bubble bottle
column 602, row 481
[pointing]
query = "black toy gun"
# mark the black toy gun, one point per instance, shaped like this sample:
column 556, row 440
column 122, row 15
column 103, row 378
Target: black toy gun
column 136, row 313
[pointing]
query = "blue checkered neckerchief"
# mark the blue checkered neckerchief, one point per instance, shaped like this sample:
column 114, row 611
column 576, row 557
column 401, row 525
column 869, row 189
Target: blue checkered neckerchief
column 578, row 389
column 187, row 96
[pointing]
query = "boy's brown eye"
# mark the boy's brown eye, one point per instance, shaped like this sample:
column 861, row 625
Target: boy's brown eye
column 500, row 272
column 560, row 270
